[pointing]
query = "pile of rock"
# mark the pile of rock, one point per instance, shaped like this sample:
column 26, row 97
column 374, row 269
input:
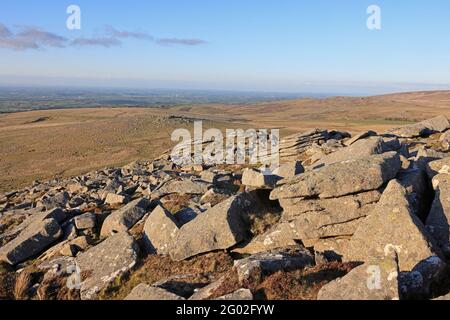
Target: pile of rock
column 381, row 200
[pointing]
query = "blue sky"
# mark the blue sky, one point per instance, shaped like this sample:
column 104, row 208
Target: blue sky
column 265, row 45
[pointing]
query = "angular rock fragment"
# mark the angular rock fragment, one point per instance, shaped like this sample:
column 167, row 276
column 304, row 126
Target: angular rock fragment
column 317, row 213
column 257, row 179
column 160, row 230
column 290, row 169
column 438, row 221
column 360, row 136
column 445, row 141
column 85, row 221
column 34, row 239
column 293, row 146
column 114, row 199
column 392, row 227
column 286, row 259
column 238, row 295
column 146, row 292
column 281, row 235
column 341, row 179
column 219, row 228
column 427, row 127
column 126, row 217
column 374, row 280
column 184, row 186
column 106, row 261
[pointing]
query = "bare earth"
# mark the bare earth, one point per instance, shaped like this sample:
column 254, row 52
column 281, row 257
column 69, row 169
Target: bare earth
column 44, row 144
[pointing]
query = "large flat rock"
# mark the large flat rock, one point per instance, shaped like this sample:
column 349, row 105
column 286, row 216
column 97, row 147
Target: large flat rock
column 34, row 239
column 219, row 228
column 359, row 150
column 375, row 280
column 341, row 179
column 146, row 292
column 106, row 261
column 160, row 230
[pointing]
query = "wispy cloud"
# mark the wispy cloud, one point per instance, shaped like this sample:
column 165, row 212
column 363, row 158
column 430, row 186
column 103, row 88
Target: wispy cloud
column 128, row 34
column 29, row 38
column 36, row 38
column 102, row 42
column 4, row 31
column 185, row 42
column 42, row 38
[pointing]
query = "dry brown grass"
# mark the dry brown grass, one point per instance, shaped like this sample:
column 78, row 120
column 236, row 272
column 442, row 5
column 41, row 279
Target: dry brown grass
column 155, row 268
column 22, row 285
column 175, row 202
column 303, row 284
column 55, row 288
column 71, row 142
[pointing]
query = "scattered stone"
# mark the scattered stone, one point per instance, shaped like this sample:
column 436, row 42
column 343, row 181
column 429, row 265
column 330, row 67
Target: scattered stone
column 287, row 259
column 289, row 170
column 31, row 241
column 146, row 292
column 76, row 188
column 238, row 295
column 114, row 199
column 184, row 186
column 85, row 221
column 438, row 167
column 417, row 283
column 57, row 201
column 293, row 146
column 207, row 292
column 106, row 261
column 280, row 235
column 445, row 141
column 160, row 230
column 319, row 218
column 126, row 217
column 256, row 179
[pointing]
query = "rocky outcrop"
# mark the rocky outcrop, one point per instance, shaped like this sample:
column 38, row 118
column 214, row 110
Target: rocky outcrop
column 392, row 227
column 427, row 127
column 358, row 150
column 378, row 203
column 341, row 179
